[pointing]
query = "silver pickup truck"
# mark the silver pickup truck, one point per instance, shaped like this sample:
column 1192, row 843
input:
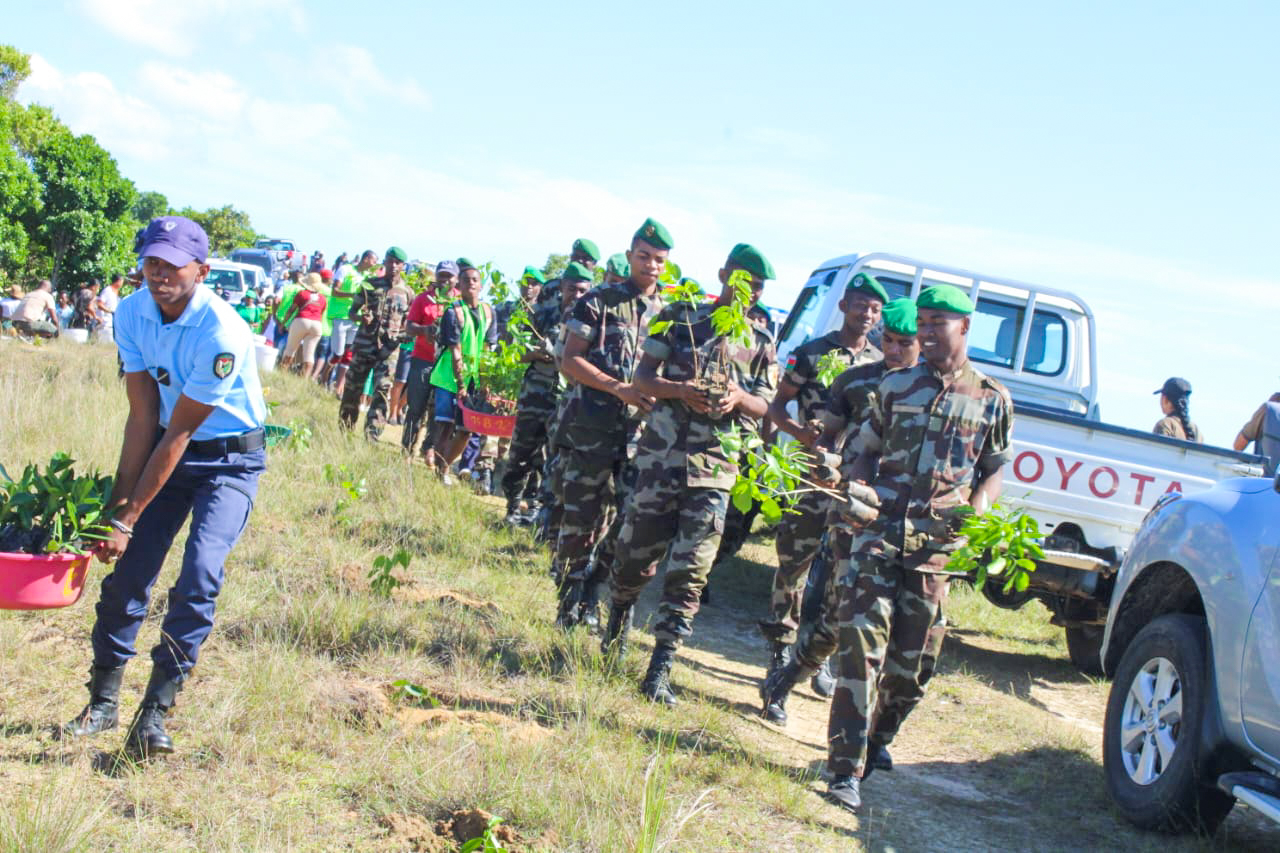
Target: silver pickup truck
column 1193, row 645
column 1086, row 482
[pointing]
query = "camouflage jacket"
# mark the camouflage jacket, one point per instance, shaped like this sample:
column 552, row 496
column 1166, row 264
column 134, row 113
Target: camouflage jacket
column 852, row 396
column 934, row 434
column 802, row 371
column 676, row 437
column 613, row 319
column 547, row 320
column 380, row 308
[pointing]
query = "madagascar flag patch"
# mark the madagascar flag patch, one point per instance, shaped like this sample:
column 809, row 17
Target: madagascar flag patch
column 223, row 364
column 791, row 361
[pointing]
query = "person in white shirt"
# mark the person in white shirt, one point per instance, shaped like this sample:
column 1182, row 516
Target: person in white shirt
column 105, row 305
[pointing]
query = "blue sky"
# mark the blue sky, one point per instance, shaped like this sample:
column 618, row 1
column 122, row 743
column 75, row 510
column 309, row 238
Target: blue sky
column 1122, row 151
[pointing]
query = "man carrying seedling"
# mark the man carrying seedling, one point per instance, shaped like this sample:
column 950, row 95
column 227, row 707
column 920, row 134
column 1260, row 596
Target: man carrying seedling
column 935, row 442
column 709, row 369
column 422, row 325
column 853, row 394
column 602, row 418
column 380, row 308
column 539, row 394
column 800, row 531
column 193, row 447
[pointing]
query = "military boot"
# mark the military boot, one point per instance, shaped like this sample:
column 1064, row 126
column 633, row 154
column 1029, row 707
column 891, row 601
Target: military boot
column 103, row 711
column 779, row 655
column 147, row 737
column 823, row 682
column 614, row 642
column 845, row 792
column 589, row 611
column 570, row 601
column 513, row 516
column 656, row 686
column 777, row 687
column 878, row 758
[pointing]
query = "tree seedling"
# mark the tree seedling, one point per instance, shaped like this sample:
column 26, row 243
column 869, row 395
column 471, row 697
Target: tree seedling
column 54, row 511
column 381, row 579
column 1001, row 542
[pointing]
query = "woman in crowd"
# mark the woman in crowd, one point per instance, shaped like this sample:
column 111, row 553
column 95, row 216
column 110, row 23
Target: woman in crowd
column 305, row 321
column 1175, row 404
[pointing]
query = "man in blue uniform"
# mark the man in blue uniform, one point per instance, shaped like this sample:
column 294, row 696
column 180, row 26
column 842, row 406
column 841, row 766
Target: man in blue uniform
column 193, row 447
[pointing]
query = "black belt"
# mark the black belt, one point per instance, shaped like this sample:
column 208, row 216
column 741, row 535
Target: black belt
column 246, row 442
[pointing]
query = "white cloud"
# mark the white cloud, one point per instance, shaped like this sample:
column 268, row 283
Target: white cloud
column 168, row 27
column 212, row 93
column 354, row 73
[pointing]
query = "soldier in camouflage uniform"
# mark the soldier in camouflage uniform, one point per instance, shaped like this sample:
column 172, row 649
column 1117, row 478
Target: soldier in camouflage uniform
column 852, row 396
column 677, row 510
column 583, row 252
column 800, row 531
column 602, row 417
column 936, row 440
column 539, row 396
column 380, row 308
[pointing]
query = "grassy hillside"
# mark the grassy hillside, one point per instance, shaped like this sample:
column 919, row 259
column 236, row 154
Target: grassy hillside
column 291, row 733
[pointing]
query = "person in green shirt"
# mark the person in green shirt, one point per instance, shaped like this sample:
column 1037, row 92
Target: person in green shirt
column 250, row 311
column 291, row 288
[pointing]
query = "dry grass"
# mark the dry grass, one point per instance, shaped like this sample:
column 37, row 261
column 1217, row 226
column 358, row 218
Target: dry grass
column 290, row 735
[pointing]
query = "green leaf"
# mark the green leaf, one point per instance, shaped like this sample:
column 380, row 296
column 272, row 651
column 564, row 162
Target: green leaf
column 1021, row 581
column 770, row 510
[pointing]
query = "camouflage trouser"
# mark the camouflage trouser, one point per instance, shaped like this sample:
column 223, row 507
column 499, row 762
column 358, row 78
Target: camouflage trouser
column 737, row 527
column 594, row 487
column 799, row 535
column 492, row 449
column 890, row 626
column 669, row 521
column 364, row 361
column 528, row 447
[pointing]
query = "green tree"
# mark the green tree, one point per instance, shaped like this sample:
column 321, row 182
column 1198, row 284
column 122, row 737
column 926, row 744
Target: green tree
column 555, row 265
column 149, row 205
column 15, row 66
column 227, row 227
column 86, row 223
column 19, row 204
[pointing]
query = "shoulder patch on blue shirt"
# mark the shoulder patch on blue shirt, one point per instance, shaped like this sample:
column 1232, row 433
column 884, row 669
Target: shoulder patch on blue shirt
column 223, row 364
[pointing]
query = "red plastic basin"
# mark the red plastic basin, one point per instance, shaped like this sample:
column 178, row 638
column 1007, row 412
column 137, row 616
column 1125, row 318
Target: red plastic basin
column 29, row 582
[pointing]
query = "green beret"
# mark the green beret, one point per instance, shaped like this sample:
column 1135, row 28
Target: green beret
column 749, row 258
column 900, row 317
column 576, row 272
column 535, row 274
column 397, row 253
column 465, row 264
column 944, row 297
column 867, row 284
column 582, row 244
column 654, row 233
column 618, row 265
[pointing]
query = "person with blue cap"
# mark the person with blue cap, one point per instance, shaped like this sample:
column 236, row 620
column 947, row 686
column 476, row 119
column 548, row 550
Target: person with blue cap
column 193, row 448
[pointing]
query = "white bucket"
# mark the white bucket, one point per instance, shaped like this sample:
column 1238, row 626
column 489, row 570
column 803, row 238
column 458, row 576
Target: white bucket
column 266, row 358
column 79, row 336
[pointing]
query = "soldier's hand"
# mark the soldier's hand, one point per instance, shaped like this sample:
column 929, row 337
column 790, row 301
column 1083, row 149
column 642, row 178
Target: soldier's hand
column 810, row 434
column 695, row 398
column 728, row 402
column 628, row 394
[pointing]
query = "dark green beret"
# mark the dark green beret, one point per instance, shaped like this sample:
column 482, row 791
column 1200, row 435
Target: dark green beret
column 900, row 316
column 655, row 234
column 750, row 259
column 535, row 274
column 618, row 265
column 397, row 253
column 867, row 284
column 944, row 297
column 465, row 264
column 582, row 244
column 576, row 272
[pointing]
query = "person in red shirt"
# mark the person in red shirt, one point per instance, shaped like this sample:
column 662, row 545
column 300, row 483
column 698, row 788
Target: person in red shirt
column 424, row 316
column 305, row 319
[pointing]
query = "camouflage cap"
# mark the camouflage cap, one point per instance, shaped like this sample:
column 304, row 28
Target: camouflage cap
column 900, row 316
column 576, row 272
column 618, row 265
column 749, row 258
column 945, row 297
column 587, row 247
column 398, row 253
column 533, row 273
column 863, row 283
column 654, row 233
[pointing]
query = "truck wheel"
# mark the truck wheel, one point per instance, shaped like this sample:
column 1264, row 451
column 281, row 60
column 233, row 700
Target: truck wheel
column 1152, row 730
column 1084, row 646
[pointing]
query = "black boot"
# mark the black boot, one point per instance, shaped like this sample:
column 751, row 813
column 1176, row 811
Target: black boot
column 777, row 687
column 589, row 611
column 656, row 686
column 878, row 758
column 823, row 682
column 779, row 656
column 147, row 737
column 513, row 512
column 845, row 792
column 614, row 642
column 570, row 599
column 103, row 711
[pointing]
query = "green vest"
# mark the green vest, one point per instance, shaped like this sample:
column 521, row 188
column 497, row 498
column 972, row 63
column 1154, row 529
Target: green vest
column 472, row 343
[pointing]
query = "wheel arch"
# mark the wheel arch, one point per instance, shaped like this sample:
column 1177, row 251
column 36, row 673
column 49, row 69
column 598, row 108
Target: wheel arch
column 1163, row 587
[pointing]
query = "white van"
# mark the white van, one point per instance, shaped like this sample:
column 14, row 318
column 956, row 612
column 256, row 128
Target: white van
column 234, row 279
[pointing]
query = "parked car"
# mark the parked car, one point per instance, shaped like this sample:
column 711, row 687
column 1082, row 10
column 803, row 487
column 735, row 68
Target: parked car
column 234, row 279
column 1193, row 645
column 1087, row 483
column 263, row 259
column 284, row 252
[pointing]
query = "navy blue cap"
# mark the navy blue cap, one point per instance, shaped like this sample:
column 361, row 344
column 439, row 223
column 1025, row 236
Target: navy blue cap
column 175, row 239
column 449, row 266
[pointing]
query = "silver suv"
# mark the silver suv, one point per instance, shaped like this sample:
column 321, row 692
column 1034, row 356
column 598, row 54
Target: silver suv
column 1193, row 645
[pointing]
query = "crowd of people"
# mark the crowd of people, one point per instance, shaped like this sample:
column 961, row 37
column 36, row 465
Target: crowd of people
column 42, row 314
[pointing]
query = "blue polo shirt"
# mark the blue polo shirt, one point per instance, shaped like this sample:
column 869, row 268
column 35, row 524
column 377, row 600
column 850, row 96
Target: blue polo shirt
column 207, row 354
